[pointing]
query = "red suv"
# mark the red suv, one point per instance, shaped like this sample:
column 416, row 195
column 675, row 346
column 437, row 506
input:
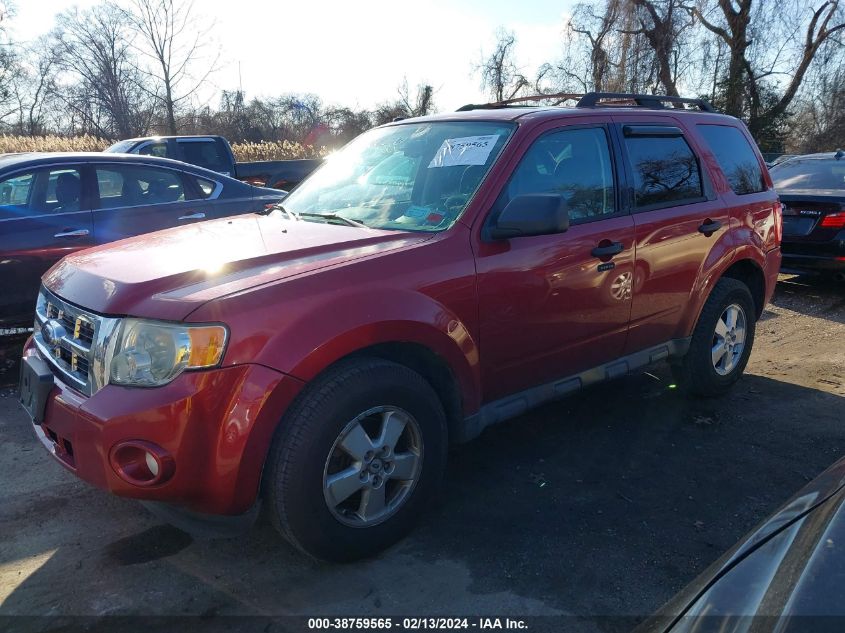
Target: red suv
column 435, row 276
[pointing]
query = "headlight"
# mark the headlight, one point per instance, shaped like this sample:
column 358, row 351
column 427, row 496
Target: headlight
column 151, row 354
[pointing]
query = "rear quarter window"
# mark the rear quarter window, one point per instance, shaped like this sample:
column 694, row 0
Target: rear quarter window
column 736, row 158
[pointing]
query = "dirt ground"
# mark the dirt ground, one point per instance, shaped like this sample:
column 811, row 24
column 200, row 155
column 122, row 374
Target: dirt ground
column 601, row 505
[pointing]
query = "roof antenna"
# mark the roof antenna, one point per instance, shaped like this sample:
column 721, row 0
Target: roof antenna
column 839, row 155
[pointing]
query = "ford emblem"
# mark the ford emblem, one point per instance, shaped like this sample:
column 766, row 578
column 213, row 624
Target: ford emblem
column 52, row 332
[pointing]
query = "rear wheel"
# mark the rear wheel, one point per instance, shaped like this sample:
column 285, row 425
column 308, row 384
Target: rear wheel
column 356, row 460
column 721, row 342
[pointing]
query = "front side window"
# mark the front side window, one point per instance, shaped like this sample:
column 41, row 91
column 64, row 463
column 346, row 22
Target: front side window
column 665, row 170
column 736, row 158
column 132, row 186
column 41, row 192
column 573, row 163
column 414, row 176
column 15, row 194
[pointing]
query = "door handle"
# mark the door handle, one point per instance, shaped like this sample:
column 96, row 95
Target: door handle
column 709, row 227
column 614, row 248
column 193, row 216
column 73, row 233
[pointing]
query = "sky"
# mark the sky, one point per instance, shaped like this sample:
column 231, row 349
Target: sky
column 355, row 53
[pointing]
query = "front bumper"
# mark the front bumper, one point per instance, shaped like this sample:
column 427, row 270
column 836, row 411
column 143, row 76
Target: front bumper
column 216, row 425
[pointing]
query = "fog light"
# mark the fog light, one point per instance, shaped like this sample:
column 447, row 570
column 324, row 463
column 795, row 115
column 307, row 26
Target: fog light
column 142, row 463
column 152, row 464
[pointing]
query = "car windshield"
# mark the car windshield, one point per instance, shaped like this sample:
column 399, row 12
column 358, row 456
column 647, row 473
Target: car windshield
column 809, row 173
column 414, row 176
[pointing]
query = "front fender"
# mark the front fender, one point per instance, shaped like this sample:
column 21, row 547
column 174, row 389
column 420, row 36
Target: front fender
column 327, row 328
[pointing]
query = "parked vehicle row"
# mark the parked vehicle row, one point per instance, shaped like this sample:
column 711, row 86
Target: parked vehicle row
column 812, row 189
column 52, row 205
column 215, row 153
column 438, row 275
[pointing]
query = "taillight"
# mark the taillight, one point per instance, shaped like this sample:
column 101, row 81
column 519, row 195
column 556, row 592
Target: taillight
column 778, row 221
column 833, row 221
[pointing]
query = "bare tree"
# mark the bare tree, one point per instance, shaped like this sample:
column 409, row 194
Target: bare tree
column 36, row 88
column 500, row 74
column 662, row 23
column 9, row 64
column 598, row 29
column 172, row 39
column 406, row 106
column 104, row 91
column 748, row 89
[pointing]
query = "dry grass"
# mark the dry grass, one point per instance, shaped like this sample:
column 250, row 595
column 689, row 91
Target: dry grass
column 51, row 144
column 275, row 150
column 244, row 152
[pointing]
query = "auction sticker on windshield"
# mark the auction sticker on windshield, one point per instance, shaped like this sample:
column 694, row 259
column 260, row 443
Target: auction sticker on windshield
column 467, row 150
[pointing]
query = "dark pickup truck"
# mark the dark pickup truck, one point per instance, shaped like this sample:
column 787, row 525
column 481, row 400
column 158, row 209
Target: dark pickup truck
column 215, row 153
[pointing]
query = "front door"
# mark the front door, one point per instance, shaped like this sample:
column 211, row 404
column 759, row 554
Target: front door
column 553, row 305
column 44, row 215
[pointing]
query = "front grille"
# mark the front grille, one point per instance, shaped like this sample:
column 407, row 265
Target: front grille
column 69, row 338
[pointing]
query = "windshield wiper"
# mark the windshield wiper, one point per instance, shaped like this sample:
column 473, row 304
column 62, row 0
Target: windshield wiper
column 333, row 216
column 269, row 208
column 293, row 215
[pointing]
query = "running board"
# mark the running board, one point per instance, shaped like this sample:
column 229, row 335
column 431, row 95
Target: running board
column 518, row 403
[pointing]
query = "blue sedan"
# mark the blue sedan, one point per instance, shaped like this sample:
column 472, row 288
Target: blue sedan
column 55, row 204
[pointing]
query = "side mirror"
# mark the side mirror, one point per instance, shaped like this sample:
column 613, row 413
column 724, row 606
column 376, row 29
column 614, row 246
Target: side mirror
column 532, row 214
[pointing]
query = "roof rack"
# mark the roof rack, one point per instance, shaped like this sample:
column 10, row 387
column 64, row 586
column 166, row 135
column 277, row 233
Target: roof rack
column 594, row 100
column 516, row 102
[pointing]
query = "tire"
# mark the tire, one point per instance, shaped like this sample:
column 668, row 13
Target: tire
column 699, row 373
column 309, row 451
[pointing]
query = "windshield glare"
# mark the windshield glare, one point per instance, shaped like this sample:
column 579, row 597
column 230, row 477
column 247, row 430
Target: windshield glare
column 415, row 177
column 812, row 173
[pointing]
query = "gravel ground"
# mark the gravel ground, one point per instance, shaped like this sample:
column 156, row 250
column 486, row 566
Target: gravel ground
column 601, row 505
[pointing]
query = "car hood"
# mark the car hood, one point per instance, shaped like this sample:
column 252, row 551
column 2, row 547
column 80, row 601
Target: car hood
column 798, row 532
column 168, row 274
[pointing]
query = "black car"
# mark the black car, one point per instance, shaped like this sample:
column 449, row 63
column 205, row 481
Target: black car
column 788, row 575
column 812, row 190
column 54, row 204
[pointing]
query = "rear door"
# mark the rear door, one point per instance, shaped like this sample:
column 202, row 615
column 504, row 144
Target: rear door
column 134, row 199
column 746, row 191
column 45, row 214
column 681, row 225
column 548, row 306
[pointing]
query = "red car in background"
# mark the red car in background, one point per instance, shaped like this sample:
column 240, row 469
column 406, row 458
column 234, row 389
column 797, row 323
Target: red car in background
column 322, row 356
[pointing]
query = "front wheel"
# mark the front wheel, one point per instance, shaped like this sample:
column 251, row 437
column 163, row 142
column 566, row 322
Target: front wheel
column 356, row 460
column 721, row 342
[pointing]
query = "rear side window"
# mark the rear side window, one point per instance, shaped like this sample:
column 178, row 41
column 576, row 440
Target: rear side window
column 132, row 186
column 205, row 187
column 736, row 158
column 666, row 171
